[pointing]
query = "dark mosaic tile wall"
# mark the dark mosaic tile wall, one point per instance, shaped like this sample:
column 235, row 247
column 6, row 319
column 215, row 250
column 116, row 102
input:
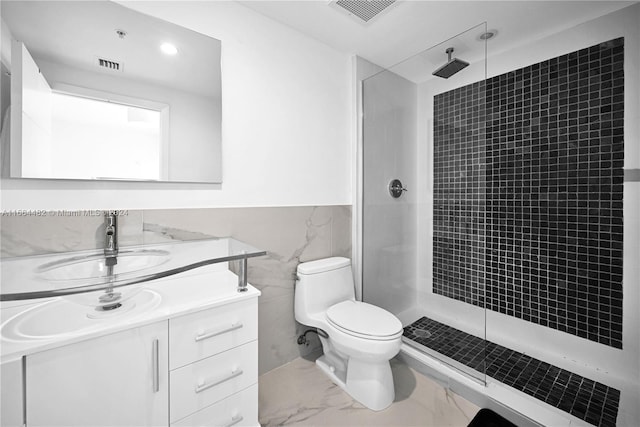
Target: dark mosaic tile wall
column 528, row 182
column 460, row 168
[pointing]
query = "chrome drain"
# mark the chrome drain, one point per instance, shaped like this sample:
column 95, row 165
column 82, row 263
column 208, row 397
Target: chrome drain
column 422, row 333
column 110, row 307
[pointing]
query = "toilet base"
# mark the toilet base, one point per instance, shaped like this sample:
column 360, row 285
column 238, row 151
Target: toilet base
column 370, row 383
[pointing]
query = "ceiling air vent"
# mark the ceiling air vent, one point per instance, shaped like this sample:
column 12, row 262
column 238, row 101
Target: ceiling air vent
column 108, row 64
column 364, row 11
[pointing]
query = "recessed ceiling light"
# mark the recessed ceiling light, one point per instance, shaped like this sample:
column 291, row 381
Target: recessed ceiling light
column 168, row 49
column 488, row 35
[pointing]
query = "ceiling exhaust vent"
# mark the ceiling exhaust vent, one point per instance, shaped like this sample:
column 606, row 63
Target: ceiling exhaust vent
column 108, row 64
column 364, row 11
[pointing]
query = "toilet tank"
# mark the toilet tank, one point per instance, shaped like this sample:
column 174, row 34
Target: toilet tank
column 321, row 284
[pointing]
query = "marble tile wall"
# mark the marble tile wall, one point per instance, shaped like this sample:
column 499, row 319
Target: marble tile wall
column 290, row 235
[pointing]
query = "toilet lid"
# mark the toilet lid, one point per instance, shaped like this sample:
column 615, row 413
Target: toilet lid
column 365, row 319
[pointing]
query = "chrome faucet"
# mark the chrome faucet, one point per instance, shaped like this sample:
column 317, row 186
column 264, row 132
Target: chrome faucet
column 111, row 235
column 110, row 300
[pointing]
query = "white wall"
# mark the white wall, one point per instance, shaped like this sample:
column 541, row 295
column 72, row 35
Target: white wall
column 618, row 368
column 287, row 123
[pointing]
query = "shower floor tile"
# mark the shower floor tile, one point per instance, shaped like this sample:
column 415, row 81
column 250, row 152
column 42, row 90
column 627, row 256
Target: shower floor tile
column 581, row 397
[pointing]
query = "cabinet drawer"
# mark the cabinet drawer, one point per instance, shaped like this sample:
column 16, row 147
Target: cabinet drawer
column 205, row 333
column 212, row 379
column 239, row 409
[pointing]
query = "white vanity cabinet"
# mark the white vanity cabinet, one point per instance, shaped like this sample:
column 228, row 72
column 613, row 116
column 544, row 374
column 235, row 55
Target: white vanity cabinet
column 193, row 369
column 181, row 351
column 120, row 379
column 213, row 359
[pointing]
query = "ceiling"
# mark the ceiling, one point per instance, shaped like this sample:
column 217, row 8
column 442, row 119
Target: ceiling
column 413, row 26
column 76, row 33
column 398, row 33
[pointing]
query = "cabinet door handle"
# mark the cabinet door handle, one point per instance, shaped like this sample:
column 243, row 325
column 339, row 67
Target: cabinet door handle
column 205, row 335
column 202, row 387
column 155, row 366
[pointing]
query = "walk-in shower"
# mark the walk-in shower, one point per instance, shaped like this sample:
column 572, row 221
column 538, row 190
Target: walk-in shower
column 503, row 258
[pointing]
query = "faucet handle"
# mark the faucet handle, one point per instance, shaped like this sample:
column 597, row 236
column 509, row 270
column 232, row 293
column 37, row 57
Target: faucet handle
column 111, row 219
column 111, row 233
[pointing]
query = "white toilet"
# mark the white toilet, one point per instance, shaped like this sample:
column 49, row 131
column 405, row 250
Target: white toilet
column 361, row 337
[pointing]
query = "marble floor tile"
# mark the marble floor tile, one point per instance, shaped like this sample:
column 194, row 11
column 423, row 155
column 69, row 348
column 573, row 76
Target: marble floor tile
column 299, row 394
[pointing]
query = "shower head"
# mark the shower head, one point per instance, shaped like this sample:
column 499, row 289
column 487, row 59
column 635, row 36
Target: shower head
column 451, row 67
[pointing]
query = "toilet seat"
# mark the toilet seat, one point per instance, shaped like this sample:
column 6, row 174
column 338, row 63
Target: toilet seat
column 364, row 320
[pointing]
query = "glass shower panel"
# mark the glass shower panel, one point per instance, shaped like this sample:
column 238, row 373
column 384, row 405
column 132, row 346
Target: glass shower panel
column 389, row 223
column 423, row 254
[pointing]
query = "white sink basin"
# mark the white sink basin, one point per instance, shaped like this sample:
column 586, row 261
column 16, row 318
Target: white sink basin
column 94, row 266
column 60, row 318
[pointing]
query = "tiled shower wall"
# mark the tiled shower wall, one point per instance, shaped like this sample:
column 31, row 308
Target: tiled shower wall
column 289, row 235
column 528, row 183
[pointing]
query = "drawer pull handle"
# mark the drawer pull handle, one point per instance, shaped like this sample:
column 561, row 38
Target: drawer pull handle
column 235, row 420
column 202, row 387
column 205, row 335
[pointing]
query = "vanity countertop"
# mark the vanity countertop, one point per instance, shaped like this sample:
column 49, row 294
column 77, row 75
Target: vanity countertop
column 74, row 273
column 173, row 296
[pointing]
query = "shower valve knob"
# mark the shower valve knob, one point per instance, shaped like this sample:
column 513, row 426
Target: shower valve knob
column 396, row 188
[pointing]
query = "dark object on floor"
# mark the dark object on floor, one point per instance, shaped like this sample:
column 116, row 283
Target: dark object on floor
column 487, row 418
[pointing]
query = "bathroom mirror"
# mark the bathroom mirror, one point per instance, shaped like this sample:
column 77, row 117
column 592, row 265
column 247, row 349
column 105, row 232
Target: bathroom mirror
column 92, row 90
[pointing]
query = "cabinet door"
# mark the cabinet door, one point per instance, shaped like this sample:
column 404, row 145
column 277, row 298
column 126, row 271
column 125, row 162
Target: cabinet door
column 116, row 380
column 11, row 394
